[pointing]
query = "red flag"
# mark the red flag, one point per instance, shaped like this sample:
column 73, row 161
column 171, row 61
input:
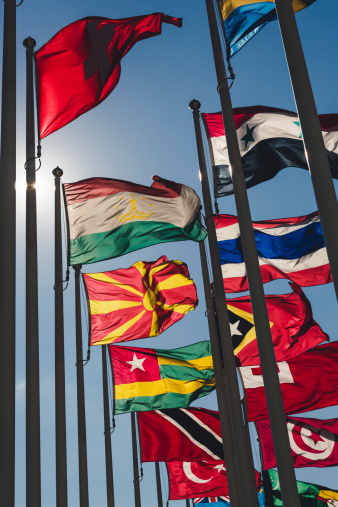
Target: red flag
column 198, row 478
column 180, row 435
column 293, row 329
column 313, row 442
column 308, row 381
column 80, row 65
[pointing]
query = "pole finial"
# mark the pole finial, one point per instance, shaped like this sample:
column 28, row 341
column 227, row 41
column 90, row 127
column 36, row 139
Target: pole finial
column 78, row 267
column 29, row 43
column 57, row 172
column 194, row 105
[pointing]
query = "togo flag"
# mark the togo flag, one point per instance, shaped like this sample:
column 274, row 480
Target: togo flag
column 108, row 218
column 309, row 494
column 269, row 140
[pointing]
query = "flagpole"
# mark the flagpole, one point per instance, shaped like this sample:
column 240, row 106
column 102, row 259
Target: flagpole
column 135, row 461
column 158, row 484
column 81, row 409
column 7, row 255
column 233, row 475
column 60, row 397
column 235, row 408
column 33, row 452
column 312, row 135
column 259, row 310
column 107, row 439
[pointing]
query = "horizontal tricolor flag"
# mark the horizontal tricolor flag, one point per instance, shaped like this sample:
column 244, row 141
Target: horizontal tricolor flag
column 149, row 379
column 80, row 66
column 269, row 140
column 244, row 18
column 138, row 302
column 293, row 328
column 308, row 382
column 108, row 218
column 313, row 442
column 310, row 495
column 291, row 248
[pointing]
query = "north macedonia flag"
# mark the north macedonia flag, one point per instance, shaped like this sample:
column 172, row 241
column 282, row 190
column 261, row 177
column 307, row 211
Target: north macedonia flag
column 138, row 302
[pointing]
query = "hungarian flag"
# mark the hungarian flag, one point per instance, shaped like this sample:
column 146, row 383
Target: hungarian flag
column 313, row 442
column 244, row 18
column 80, row 65
column 149, row 379
column 198, row 478
column 308, row 382
column 108, row 218
column 180, row 434
column 292, row 326
column 291, row 248
column 138, row 302
column 269, row 140
column 309, row 494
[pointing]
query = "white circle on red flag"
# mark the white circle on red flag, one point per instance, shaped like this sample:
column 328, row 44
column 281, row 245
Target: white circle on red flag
column 303, row 443
column 188, row 472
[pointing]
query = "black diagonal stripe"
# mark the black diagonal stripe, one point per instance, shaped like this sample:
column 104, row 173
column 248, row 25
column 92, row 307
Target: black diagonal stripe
column 197, row 432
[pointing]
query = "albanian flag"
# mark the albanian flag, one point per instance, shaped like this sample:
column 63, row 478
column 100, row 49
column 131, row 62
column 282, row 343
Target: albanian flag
column 80, row 65
column 138, row 302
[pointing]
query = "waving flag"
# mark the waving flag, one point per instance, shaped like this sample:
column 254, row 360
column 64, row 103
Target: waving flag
column 181, row 434
column 108, row 218
column 309, row 494
column 308, row 382
column 217, row 501
column 291, row 248
column 293, row 329
column 80, row 66
column 244, row 18
column 313, row 442
column 269, row 140
column 149, row 379
column 138, row 302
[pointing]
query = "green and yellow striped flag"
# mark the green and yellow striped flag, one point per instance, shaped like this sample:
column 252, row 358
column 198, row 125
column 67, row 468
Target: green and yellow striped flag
column 149, row 379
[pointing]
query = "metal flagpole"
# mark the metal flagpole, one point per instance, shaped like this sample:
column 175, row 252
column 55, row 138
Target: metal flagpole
column 232, row 471
column 81, row 410
column 187, row 502
column 311, row 132
column 235, row 408
column 33, row 458
column 60, row 397
column 7, row 256
column 135, row 461
column 158, row 484
column 261, row 319
column 107, row 439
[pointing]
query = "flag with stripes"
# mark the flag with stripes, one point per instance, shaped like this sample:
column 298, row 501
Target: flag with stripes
column 217, row 501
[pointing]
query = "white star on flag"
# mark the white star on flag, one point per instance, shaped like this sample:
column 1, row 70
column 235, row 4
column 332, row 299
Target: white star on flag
column 136, row 363
column 234, row 329
column 219, row 468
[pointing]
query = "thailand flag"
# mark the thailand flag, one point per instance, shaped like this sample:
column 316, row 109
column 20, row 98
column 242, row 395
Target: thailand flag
column 291, row 248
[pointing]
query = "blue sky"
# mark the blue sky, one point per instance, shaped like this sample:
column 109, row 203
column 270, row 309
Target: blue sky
column 146, row 128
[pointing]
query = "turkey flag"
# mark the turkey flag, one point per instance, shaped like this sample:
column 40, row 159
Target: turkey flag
column 308, row 381
column 313, row 442
column 79, row 67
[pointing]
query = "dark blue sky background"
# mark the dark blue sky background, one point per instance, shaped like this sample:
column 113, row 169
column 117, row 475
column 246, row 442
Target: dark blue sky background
column 146, row 128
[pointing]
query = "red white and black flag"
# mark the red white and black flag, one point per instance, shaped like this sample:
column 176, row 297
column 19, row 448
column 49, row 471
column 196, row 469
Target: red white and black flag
column 80, row 66
column 180, row 435
column 313, row 442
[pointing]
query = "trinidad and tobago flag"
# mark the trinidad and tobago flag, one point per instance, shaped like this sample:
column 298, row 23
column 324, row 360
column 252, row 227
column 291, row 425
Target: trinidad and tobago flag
column 269, row 140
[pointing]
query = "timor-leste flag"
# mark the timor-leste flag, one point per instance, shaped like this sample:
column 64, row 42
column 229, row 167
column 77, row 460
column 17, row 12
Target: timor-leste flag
column 107, row 218
column 138, row 302
column 80, row 66
column 293, row 328
column 154, row 379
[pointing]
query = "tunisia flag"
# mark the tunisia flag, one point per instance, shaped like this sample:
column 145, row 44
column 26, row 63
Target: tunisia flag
column 308, row 382
column 313, row 442
column 80, row 65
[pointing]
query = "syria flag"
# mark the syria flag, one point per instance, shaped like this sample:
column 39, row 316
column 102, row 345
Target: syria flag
column 181, row 434
column 313, row 442
column 293, row 328
column 308, row 382
column 79, row 67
